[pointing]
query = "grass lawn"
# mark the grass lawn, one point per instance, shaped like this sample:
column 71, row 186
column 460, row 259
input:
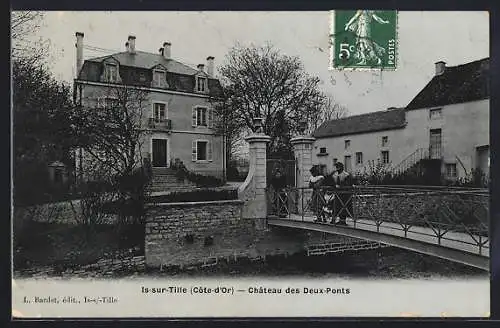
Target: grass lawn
column 63, row 245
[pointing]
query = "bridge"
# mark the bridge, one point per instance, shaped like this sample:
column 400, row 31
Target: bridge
column 449, row 223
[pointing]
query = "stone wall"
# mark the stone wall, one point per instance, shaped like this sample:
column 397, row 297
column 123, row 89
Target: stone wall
column 183, row 234
column 110, row 265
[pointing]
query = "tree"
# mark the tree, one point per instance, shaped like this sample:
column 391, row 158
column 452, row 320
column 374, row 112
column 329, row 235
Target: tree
column 111, row 132
column 39, row 105
column 25, row 47
column 330, row 110
column 262, row 82
column 226, row 121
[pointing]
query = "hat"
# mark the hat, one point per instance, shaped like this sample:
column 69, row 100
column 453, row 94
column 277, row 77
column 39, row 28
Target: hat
column 339, row 165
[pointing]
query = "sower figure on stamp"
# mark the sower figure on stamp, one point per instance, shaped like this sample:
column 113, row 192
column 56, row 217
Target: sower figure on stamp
column 343, row 194
column 367, row 50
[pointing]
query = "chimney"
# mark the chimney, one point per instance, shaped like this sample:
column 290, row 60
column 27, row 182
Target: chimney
column 201, row 67
column 79, row 52
column 440, row 67
column 210, row 66
column 131, row 44
column 166, row 50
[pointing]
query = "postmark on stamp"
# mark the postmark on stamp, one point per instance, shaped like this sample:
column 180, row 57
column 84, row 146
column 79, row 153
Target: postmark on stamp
column 363, row 39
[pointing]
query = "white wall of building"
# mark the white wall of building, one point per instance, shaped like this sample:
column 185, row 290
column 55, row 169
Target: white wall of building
column 369, row 144
column 464, row 127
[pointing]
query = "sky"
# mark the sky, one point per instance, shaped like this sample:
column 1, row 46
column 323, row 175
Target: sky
column 423, row 39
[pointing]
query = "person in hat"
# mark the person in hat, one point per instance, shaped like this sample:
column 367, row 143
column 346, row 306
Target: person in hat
column 316, row 182
column 343, row 198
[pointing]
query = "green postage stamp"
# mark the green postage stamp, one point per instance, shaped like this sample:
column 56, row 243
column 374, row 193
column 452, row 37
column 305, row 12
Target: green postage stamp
column 364, row 39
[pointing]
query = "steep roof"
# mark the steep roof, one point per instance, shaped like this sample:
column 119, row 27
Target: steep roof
column 370, row 122
column 136, row 69
column 147, row 60
column 458, row 84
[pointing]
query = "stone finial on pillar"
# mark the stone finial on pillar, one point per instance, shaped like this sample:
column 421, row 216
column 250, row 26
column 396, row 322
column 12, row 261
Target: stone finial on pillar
column 253, row 190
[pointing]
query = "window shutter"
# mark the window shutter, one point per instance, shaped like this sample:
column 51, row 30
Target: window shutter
column 209, row 151
column 194, row 154
column 210, row 118
column 194, row 117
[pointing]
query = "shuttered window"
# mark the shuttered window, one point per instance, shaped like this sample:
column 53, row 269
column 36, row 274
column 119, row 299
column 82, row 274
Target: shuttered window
column 201, row 150
column 194, row 117
column 209, row 150
column 202, row 116
column 210, row 118
column 194, row 154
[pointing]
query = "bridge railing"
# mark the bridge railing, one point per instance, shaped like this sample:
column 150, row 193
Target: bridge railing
column 441, row 213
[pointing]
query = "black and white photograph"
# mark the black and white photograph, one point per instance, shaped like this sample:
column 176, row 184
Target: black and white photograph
column 186, row 164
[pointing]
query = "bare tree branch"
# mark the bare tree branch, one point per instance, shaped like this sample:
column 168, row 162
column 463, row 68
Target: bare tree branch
column 262, row 82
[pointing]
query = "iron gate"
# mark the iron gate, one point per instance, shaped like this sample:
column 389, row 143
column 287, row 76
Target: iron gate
column 287, row 166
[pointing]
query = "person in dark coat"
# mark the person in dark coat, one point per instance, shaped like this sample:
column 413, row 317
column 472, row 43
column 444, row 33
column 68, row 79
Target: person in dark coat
column 343, row 194
column 278, row 182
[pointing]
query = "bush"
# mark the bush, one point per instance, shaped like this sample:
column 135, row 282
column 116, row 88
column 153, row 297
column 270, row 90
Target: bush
column 476, row 178
column 232, row 173
column 199, row 195
column 380, row 174
column 200, row 180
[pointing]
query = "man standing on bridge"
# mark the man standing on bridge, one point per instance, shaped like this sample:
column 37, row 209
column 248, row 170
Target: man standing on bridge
column 343, row 194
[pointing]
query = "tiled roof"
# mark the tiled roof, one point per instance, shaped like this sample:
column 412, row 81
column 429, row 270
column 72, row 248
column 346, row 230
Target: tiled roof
column 370, row 122
column 148, row 60
column 458, row 84
column 136, row 69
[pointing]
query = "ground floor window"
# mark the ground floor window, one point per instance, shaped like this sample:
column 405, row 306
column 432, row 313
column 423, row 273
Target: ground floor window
column 202, row 150
column 385, row 156
column 359, row 158
column 451, row 170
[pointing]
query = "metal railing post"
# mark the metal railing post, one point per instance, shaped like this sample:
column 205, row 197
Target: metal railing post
column 302, row 205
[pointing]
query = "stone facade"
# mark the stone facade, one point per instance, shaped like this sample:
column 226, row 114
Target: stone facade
column 180, row 137
column 253, row 189
column 184, row 234
column 302, row 148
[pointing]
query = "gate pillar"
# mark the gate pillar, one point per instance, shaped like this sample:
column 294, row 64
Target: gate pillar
column 253, row 190
column 302, row 148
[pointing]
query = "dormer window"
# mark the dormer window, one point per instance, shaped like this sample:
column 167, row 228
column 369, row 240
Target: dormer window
column 201, row 84
column 111, row 72
column 159, row 78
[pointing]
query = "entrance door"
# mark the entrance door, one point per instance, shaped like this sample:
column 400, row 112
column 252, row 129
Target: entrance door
column 435, row 144
column 483, row 159
column 159, row 152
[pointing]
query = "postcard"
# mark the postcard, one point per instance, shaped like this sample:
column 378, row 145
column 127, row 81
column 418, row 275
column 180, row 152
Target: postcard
column 240, row 164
